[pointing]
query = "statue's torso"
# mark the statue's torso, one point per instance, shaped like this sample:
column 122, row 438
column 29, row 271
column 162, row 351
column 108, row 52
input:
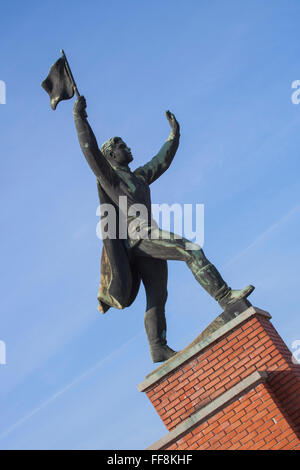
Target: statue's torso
column 135, row 188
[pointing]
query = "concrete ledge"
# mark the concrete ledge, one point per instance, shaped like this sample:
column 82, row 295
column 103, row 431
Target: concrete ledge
column 196, row 346
column 184, row 427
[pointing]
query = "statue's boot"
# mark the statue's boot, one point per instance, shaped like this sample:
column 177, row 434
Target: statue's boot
column 156, row 327
column 236, row 298
column 211, row 280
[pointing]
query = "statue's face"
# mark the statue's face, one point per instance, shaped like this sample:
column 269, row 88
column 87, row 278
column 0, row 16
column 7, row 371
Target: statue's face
column 120, row 153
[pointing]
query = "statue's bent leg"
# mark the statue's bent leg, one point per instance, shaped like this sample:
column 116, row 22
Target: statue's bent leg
column 167, row 246
column 211, row 280
column 154, row 274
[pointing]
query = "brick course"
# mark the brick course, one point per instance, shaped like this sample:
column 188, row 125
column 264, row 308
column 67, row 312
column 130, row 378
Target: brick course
column 234, row 427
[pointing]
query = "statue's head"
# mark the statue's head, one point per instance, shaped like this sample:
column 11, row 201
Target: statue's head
column 116, row 151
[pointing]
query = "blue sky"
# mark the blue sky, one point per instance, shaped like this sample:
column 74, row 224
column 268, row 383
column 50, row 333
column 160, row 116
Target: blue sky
column 225, row 69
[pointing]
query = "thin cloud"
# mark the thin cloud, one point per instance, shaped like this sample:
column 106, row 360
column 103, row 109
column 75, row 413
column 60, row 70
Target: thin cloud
column 264, row 234
column 68, row 387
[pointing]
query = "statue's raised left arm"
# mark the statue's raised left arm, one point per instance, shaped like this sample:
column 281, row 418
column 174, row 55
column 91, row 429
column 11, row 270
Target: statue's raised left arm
column 161, row 162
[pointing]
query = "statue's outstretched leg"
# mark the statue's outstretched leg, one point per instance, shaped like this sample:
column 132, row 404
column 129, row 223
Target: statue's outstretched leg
column 211, row 280
column 169, row 246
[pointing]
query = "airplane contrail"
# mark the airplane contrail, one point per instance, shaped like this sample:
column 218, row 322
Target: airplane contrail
column 264, row 234
column 67, row 387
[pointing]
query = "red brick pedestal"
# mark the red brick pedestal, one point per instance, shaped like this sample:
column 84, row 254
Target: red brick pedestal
column 233, row 388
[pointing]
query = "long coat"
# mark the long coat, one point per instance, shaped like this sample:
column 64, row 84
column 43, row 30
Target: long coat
column 120, row 281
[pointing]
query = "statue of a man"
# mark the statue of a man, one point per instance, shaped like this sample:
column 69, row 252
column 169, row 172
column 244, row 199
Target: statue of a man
column 125, row 262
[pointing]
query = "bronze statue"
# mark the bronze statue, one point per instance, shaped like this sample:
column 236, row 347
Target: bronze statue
column 125, row 261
